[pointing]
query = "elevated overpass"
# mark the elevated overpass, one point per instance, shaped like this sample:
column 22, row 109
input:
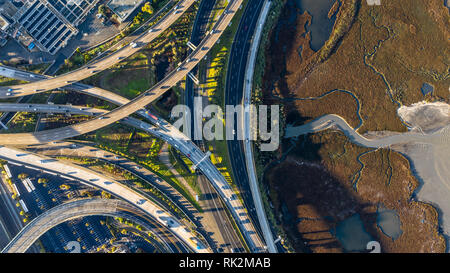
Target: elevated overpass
column 177, row 139
column 91, row 178
column 171, row 135
column 72, row 210
column 101, row 64
column 49, row 108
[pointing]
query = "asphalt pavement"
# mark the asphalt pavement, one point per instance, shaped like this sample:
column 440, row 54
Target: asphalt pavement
column 234, row 95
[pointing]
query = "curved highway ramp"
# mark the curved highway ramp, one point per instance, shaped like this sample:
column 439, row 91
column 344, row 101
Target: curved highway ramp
column 63, row 213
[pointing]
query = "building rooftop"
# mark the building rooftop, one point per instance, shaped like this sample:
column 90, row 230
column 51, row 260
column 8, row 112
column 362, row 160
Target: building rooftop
column 52, row 23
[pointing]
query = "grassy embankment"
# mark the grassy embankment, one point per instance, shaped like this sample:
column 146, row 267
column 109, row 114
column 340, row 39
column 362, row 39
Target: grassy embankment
column 183, row 166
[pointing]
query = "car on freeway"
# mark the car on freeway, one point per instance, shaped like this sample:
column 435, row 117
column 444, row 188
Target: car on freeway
column 140, row 201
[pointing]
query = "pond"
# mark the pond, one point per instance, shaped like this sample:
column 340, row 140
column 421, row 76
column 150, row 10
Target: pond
column 352, row 234
column 321, row 26
column 389, row 222
column 427, row 88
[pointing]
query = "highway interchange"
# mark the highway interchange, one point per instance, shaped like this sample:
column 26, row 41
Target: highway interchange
column 77, row 173
column 171, row 135
column 121, row 113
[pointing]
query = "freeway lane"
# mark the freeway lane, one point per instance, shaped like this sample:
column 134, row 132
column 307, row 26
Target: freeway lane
column 245, row 124
column 198, row 32
column 226, row 236
column 102, row 64
column 47, row 108
column 234, row 95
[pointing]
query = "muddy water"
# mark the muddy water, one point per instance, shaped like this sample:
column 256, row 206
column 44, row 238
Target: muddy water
column 352, row 234
column 321, row 26
column 389, row 222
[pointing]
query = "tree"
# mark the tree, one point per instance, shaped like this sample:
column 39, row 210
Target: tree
column 22, row 176
column 115, row 18
column 42, row 180
column 68, row 62
column 64, row 187
column 147, row 8
column 106, row 195
column 102, row 9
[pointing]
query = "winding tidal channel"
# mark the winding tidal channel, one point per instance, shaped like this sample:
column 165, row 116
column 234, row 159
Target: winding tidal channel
column 429, row 154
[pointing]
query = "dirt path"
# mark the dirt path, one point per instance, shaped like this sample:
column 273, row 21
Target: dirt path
column 165, row 159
